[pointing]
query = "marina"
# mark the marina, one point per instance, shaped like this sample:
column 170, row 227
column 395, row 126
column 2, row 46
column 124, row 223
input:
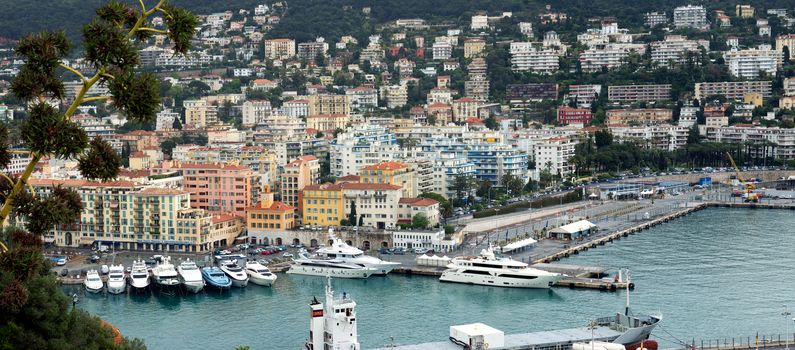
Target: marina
column 707, row 249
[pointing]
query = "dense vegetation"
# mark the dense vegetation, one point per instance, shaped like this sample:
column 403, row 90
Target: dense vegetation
column 570, row 197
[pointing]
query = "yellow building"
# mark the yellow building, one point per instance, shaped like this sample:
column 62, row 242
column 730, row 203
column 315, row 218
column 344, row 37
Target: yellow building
column 329, row 104
column 323, row 205
column 393, row 173
column 327, row 122
column 753, row 98
column 303, row 171
column 268, row 214
column 474, row 47
column 744, row 11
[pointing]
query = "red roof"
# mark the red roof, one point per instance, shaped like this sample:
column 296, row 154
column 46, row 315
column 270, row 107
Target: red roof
column 368, row 186
column 418, row 202
column 473, row 120
column 439, row 105
column 223, row 217
column 275, row 206
column 349, row 178
column 386, row 166
column 301, row 159
column 464, row 99
column 323, row 187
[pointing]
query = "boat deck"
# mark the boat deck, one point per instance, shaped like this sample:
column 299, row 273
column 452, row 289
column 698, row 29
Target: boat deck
column 546, row 340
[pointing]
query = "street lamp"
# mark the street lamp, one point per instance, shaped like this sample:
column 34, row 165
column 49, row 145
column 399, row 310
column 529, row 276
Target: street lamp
column 786, row 315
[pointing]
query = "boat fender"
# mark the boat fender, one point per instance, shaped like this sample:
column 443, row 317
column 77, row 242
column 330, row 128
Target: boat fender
column 485, row 345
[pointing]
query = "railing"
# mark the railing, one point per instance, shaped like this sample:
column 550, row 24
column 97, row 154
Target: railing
column 739, row 343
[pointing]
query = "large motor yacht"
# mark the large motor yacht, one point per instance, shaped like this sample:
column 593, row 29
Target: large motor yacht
column 165, row 275
column 139, row 275
column 116, row 283
column 488, row 270
column 93, row 282
column 235, row 272
column 345, row 253
column 260, row 274
column 304, row 264
column 190, row 276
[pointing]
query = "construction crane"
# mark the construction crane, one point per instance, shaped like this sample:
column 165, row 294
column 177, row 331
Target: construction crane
column 749, row 195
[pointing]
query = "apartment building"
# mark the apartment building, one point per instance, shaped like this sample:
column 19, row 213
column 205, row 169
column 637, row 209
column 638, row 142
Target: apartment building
column 663, row 137
column 464, row 108
column 637, row 93
column 553, row 155
column 786, row 41
column 165, row 119
column 477, row 88
column 474, row 47
column 749, row 63
column 442, row 50
column 735, row 90
column 362, row 98
column 255, row 112
column 296, row 108
column 688, row 116
column 279, row 49
column 744, row 11
column 584, row 94
column 520, row 96
column 446, row 168
column 303, row 171
column 311, row 50
column 653, row 19
column 268, row 215
column 396, row 96
column 322, row 205
column 577, row 116
column 217, row 188
column 393, row 173
column 132, row 217
column 639, row 116
column 789, row 86
column 674, row 49
column 328, row 104
column 360, row 146
column 691, row 16
column 409, row 207
column 199, row 113
column 781, row 142
column 528, row 56
column 440, row 95
column 479, row 22
column 609, row 56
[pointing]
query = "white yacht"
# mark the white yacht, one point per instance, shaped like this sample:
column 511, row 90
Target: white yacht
column 93, row 282
column 116, row 283
column 259, row 274
column 489, row 270
column 303, row 264
column 190, row 276
column 344, row 252
column 139, row 275
column 165, row 275
column 235, row 272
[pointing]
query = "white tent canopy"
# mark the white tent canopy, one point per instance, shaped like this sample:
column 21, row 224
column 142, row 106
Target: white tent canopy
column 518, row 244
column 574, row 227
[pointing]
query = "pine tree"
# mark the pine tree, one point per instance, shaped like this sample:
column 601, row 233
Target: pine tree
column 352, row 215
column 34, row 312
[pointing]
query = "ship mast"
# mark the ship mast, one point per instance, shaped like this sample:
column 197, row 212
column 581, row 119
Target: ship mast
column 627, row 278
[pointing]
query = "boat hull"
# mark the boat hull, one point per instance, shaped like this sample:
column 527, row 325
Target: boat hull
column 167, row 284
column 139, row 284
column 193, row 286
column 239, row 283
column 265, row 281
column 93, row 289
column 540, row 282
column 219, row 285
column 329, row 271
column 117, row 288
column 383, row 269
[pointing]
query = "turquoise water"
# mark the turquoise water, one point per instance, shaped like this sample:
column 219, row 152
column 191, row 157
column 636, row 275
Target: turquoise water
column 716, row 273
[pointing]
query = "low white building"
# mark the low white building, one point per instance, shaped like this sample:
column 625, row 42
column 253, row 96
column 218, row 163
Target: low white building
column 434, row 239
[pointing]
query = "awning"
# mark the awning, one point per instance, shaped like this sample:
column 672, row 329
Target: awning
column 574, row 227
column 86, row 240
column 518, row 244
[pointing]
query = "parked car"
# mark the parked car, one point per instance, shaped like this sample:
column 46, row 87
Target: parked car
column 287, row 255
column 384, row 251
column 225, row 252
column 94, row 258
column 64, row 272
column 105, row 269
column 420, row 250
column 399, row 251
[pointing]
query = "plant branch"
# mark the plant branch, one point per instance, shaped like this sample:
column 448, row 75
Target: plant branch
column 96, row 98
column 109, row 76
column 143, row 7
column 147, row 29
column 18, row 186
column 8, row 178
column 75, row 71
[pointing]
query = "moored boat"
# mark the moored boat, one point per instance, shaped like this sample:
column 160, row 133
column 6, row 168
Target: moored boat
column 488, row 270
column 165, row 275
column 116, row 283
column 235, row 272
column 190, row 276
column 93, row 282
column 215, row 277
column 139, row 275
column 259, row 274
column 303, row 264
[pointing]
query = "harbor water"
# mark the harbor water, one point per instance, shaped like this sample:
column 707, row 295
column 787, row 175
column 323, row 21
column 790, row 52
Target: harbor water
column 718, row 273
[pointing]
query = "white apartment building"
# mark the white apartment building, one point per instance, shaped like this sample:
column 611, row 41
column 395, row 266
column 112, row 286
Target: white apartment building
column 361, row 146
column 376, row 203
column 423, row 239
column 735, row 90
column 362, row 98
column 165, row 119
column 748, row 63
column 528, row 56
column 440, row 95
column 296, row 108
column 687, row 116
column 691, row 17
column 610, row 56
column 526, row 28
column 789, row 86
column 255, row 112
column 663, row 137
column 442, row 50
column 553, row 154
column 480, row 22
column 279, row 49
column 784, row 139
column 674, row 49
column 396, row 96
column 446, row 167
column 653, row 19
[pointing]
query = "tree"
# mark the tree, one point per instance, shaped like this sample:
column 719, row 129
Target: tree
column 484, row 189
column 463, row 184
column 693, row 135
column 34, row 312
column 177, row 124
column 445, row 207
column 420, row 220
column 352, row 216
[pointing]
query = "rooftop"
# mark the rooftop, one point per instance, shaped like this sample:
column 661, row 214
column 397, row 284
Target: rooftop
column 386, row 166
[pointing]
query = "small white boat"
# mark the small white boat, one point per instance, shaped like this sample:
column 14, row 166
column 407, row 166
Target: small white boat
column 139, row 275
column 93, row 282
column 165, row 275
column 260, row 274
column 116, row 283
column 190, row 276
column 235, row 272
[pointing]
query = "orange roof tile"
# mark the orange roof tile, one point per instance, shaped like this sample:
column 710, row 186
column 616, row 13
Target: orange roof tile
column 418, row 202
column 386, row 166
column 367, row 186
